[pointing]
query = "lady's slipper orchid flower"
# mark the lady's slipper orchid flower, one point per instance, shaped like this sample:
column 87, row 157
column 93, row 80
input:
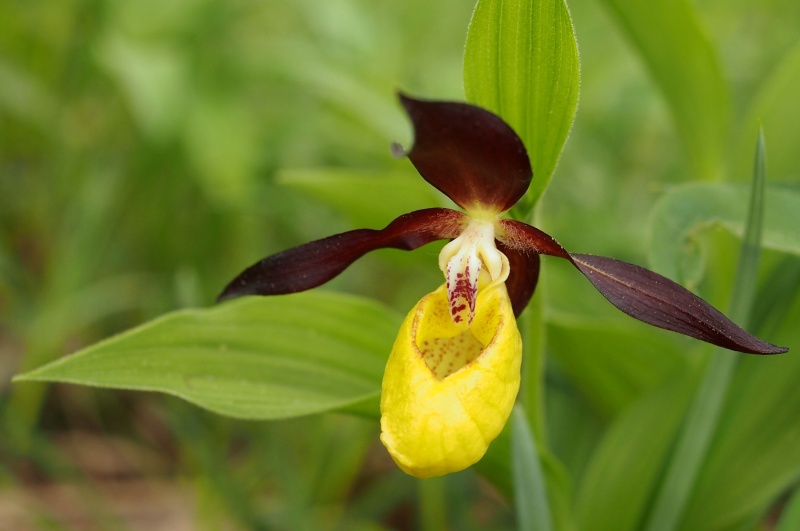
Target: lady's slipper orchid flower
column 453, row 373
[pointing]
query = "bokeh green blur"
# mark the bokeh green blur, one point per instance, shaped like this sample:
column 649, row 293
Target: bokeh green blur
column 151, row 149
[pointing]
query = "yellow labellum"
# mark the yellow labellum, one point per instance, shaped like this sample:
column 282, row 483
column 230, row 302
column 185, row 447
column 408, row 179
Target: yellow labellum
column 447, row 391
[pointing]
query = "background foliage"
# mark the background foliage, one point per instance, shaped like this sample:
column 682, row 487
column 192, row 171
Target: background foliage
column 150, row 150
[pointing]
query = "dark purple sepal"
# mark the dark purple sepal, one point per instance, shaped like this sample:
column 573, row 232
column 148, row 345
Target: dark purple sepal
column 312, row 264
column 522, row 277
column 660, row 302
column 468, row 153
column 643, row 294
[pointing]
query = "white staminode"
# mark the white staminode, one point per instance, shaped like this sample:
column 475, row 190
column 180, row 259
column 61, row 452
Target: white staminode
column 462, row 261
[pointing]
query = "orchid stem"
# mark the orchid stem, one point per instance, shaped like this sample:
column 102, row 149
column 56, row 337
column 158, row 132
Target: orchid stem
column 533, row 331
column 532, row 396
column 432, row 504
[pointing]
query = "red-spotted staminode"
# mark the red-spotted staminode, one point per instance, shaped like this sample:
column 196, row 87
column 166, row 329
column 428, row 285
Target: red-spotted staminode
column 453, row 373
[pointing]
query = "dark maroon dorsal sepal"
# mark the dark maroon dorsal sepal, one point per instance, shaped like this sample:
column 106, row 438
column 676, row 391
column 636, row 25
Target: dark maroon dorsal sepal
column 468, row 153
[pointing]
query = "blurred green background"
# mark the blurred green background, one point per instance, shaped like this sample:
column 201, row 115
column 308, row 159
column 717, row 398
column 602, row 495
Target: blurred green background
column 150, row 150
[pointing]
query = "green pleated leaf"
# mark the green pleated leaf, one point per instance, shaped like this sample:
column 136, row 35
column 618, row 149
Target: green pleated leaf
column 685, row 210
column 521, row 62
column 256, row 358
column 684, row 65
column 354, row 192
column 530, row 491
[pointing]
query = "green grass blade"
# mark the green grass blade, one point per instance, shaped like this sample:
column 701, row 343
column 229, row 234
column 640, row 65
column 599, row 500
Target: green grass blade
column 704, row 413
column 521, row 62
column 744, row 284
column 258, row 358
column 530, row 491
column 754, row 457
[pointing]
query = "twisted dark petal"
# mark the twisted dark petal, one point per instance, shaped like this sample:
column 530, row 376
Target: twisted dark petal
column 645, row 295
column 468, row 153
column 522, row 277
column 658, row 301
column 314, row 263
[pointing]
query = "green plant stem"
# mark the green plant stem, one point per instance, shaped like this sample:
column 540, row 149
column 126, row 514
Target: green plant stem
column 533, row 335
column 532, row 395
column 432, row 504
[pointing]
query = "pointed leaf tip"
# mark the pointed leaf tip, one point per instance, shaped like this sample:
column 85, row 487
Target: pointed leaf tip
column 658, row 301
column 468, row 153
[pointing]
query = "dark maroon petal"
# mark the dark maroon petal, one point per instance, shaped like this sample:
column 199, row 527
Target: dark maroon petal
column 468, row 153
column 314, row 263
column 522, row 277
column 642, row 294
column 658, row 301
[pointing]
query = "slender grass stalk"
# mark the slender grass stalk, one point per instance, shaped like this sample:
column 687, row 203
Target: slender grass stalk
column 530, row 488
column 704, row 411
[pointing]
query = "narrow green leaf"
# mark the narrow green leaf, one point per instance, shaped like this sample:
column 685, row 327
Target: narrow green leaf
column 744, row 284
column 496, row 466
column 686, row 210
column 521, row 62
column 693, row 443
column 704, row 413
column 530, row 491
column 257, row 358
column 755, row 455
column 683, row 63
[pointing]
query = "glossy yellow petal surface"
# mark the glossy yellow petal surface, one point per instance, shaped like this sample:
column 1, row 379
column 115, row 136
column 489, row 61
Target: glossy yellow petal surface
column 447, row 392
